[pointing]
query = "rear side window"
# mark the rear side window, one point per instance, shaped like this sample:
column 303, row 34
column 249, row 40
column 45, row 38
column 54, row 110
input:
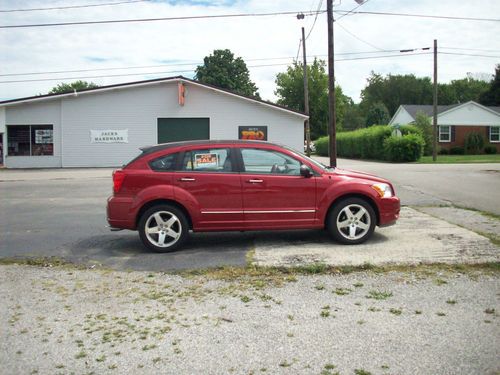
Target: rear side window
column 208, row 160
column 164, row 163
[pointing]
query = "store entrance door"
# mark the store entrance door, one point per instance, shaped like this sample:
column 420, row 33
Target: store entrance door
column 1, row 149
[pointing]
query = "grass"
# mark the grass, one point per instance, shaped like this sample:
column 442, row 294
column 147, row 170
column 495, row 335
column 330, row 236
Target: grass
column 378, row 294
column 451, row 159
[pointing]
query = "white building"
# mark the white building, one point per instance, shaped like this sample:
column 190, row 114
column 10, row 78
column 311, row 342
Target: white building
column 104, row 127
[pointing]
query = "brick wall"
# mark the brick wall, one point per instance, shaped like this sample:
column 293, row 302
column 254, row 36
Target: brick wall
column 461, row 133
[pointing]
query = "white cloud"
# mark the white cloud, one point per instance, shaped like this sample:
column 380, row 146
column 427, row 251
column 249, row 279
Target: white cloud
column 138, row 44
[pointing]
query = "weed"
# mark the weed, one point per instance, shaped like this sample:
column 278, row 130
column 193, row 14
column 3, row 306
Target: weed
column 440, row 282
column 290, row 317
column 245, row 299
column 329, row 366
column 440, row 313
column 373, row 309
column 362, row 372
column 342, row 291
column 59, row 366
column 319, row 287
column 113, row 366
column 395, row 311
column 487, row 321
column 451, row 301
column 489, row 311
column 102, row 358
column 358, row 285
column 360, row 322
column 357, row 303
column 418, row 312
column 384, row 367
column 80, row 354
column 379, row 294
column 149, row 347
column 285, row 363
column 156, row 359
column 290, row 334
column 324, row 313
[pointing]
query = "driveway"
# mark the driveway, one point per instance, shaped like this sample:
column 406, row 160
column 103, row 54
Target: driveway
column 61, row 213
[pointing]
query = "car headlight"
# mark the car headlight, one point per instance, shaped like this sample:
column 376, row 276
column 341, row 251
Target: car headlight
column 384, row 190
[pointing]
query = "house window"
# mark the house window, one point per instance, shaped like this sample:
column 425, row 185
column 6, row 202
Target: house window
column 30, row 140
column 445, row 133
column 494, row 133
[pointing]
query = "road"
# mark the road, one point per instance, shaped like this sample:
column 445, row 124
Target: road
column 468, row 185
column 62, row 213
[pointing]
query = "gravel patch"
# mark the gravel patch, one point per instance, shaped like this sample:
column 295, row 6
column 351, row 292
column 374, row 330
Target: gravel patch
column 58, row 320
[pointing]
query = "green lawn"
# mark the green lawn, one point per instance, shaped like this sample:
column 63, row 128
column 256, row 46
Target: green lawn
column 449, row 159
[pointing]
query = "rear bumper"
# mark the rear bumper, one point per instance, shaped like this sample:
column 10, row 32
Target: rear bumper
column 119, row 213
column 389, row 211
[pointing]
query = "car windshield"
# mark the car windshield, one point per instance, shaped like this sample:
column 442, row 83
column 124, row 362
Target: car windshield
column 315, row 162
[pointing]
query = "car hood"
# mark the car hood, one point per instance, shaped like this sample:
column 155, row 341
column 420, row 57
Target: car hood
column 358, row 175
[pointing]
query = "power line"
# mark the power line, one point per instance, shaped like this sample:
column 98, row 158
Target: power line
column 184, row 64
column 315, row 18
column 418, row 15
column 179, row 18
column 358, row 38
column 352, row 10
column 192, row 70
column 471, row 49
column 467, row 54
column 71, row 6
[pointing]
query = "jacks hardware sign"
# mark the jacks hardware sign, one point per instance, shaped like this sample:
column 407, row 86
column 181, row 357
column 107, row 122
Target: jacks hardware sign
column 258, row 133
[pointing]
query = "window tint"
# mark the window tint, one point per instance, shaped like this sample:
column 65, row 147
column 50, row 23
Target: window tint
column 164, row 163
column 269, row 162
column 207, row 160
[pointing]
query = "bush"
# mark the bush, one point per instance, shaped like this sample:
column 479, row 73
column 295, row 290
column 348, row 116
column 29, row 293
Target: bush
column 490, row 150
column 321, row 146
column 457, row 150
column 443, row 151
column 474, row 143
column 423, row 124
column 407, row 148
column 363, row 143
column 410, row 129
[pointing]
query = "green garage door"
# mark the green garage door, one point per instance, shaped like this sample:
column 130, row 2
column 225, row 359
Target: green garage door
column 183, row 129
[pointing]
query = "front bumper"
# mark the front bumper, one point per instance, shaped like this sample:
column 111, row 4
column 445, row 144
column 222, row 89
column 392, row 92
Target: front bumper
column 389, row 211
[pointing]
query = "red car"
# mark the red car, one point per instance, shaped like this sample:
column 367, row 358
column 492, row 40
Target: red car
column 202, row 186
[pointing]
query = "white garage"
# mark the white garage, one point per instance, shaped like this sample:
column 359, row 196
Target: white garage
column 104, row 127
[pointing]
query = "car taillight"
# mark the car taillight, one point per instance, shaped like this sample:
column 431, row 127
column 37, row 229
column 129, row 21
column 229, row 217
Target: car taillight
column 118, row 177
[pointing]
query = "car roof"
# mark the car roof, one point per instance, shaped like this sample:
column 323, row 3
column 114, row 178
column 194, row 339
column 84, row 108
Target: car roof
column 166, row 146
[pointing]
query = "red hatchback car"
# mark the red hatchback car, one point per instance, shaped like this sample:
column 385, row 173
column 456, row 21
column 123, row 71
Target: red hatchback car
column 240, row 186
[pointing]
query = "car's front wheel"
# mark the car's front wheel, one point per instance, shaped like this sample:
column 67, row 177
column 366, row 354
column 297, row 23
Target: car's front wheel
column 352, row 221
column 163, row 228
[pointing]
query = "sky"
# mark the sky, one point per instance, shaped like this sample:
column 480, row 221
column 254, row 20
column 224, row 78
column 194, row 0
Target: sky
column 111, row 53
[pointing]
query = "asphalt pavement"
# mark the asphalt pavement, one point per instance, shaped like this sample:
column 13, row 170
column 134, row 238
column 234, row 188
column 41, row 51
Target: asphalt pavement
column 61, row 213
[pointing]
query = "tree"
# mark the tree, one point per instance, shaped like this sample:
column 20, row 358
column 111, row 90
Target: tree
column 290, row 92
column 223, row 70
column 377, row 115
column 394, row 90
column 353, row 117
column 491, row 96
column 423, row 123
column 461, row 90
column 63, row 88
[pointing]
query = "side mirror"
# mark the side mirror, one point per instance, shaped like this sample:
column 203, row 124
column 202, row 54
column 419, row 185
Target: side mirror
column 305, row 171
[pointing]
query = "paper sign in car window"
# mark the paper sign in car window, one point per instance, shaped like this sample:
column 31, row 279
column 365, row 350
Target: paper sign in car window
column 206, row 161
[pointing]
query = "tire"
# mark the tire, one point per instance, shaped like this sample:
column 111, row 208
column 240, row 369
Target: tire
column 351, row 221
column 163, row 228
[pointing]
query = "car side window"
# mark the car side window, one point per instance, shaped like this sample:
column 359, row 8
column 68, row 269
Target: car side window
column 208, row 160
column 269, row 162
column 164, row 163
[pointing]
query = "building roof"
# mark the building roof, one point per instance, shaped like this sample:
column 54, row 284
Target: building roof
column 413, row 109
column 143, row 83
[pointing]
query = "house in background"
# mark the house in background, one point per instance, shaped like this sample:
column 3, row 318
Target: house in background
column 456, row 121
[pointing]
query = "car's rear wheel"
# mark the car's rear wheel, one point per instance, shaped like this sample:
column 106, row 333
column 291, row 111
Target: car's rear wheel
column 163, row 228
column 352, row 221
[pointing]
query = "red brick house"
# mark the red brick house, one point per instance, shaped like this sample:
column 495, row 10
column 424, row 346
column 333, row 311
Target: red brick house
column 456, row 121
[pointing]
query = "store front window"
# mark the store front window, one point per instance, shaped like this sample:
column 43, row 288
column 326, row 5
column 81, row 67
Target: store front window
column 30, row 140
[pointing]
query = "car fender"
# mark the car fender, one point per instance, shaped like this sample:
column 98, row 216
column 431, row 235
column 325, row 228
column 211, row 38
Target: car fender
column 346, row 187
column 151, row 193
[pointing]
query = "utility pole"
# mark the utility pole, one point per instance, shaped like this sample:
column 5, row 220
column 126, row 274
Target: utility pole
column 306, row 97
column 332, row 147
column 435, row 101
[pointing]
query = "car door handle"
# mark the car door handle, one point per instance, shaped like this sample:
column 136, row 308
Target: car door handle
column 187, row 179
column 255, row 181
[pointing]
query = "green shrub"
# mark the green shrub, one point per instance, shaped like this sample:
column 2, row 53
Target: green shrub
column 474, row 143
column 490, row 150
column 321, row 146
column 410, row 129
column 443, row 151
column 365, row 143
column 457, row 150
column 423, row 123
column 407, row 148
